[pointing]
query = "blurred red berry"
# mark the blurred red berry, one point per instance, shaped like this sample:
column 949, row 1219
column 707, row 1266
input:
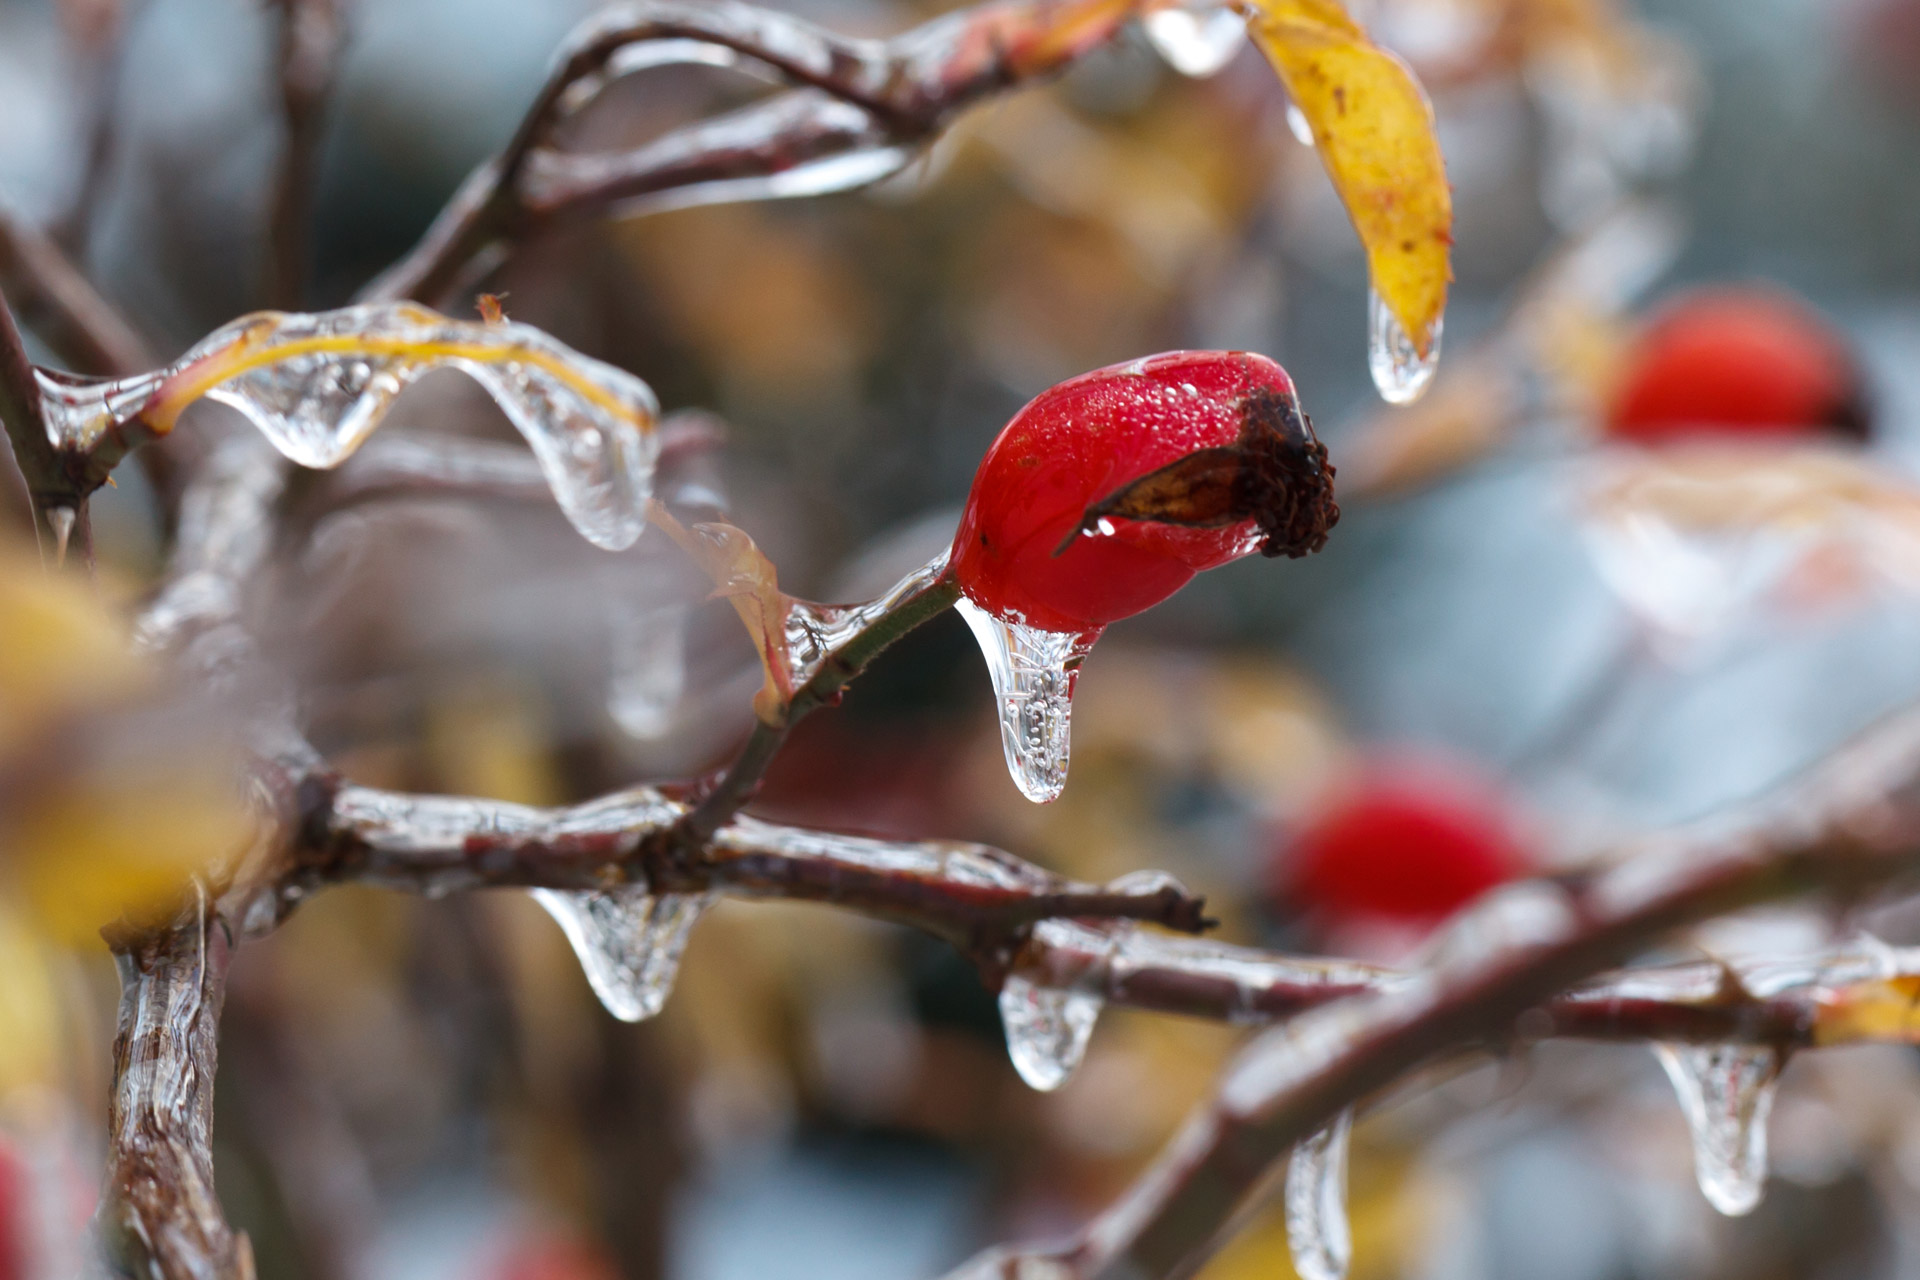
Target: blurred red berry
column 16, row 1214
column 1404, row 846
column 1728, row 361
column 1167, row 466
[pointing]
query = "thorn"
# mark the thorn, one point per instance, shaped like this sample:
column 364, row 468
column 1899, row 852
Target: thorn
column 61, row 518
column 490, row 309
column 111, row 484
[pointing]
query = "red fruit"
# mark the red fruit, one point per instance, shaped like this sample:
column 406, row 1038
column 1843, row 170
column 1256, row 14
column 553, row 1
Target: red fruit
column 1171, row 464
column 1401, row 846
column 1737, row 361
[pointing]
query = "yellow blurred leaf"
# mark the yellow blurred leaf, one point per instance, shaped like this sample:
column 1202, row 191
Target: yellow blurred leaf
column 92, row 849
column 29, row 1006
column 1374, row 131
column 1882, row 1011
column 743, row 577
column 60, row 649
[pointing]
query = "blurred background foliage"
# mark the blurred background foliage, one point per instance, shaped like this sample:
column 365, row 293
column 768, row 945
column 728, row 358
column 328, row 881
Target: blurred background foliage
column 426, row 1088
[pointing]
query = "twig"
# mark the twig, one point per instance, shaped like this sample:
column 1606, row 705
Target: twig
column 1846, row 830
column 50, row 488
column 159, row 1214
column 81, row 326
column 880, row 98
column 312, row 33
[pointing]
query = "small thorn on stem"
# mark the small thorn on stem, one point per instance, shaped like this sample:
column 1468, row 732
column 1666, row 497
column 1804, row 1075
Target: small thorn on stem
column 62, row 520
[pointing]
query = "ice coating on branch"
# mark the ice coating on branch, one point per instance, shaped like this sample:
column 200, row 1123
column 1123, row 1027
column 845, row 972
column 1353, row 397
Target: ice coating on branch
column 815, row 630
column 1049, row 1020
column 1726, row 1093
column 649, row 668
column 1400, row 373
column 1033, row 675
column 1196, row 42
column 317, row 385
column 629, row 941
column 1318, row 1235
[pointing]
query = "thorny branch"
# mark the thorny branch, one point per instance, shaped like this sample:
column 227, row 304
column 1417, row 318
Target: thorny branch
column 1846, row 830
column 82, row 327
column 869, row 104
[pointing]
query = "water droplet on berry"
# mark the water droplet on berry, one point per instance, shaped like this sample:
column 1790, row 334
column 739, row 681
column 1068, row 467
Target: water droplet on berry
column 1317, row 1232
column 1033, row 677
column 1196, row 43
column 1297, row 122
column 1400, row 373
column 1726, row 1093
column 628, row 941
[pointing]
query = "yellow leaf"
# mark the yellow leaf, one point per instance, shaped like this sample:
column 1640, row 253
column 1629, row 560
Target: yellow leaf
column 97, row 847
column 1373, row 129
column 744, row 577
column 60, row 650
column 1887, row 1010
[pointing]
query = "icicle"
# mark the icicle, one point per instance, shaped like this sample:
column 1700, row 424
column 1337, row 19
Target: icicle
column 1197, row 43
column 1049, row 1023
column 629, row 942
column 1033, row 677
column 649, row 668
column 1316, row 1195
column 1726, row 1092
column 1400, row 373
column 62, row 519
column 1298, row 123
column 317, row 385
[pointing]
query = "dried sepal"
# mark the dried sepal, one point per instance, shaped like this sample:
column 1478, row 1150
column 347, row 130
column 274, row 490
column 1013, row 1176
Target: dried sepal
column 1275, row 474
column 743, row 577
column 1374, row 131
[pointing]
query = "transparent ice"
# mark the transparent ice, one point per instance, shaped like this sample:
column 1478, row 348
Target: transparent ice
column 1316, row 1199
column 1726, row 1093
column 1033, row 672
column 1196, row 42
column 815, row 630
column 629, row 941
column 1048, row 1024
column 317, row 385
column 1400, row 373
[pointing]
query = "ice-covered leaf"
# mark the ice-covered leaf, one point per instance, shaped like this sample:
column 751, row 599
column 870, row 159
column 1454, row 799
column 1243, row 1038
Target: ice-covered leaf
column 1374, row 131
column 744, row 577
column 317, row 385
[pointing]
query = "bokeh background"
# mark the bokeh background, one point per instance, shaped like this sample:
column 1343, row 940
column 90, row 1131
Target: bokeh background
column 426, row 1089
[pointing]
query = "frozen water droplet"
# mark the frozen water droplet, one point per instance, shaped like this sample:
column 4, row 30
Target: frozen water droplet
column 1049, row 1018
column 1726, row 1092
column 317, row 385
column 62, row 519
column 1297, row 122
column 1317, row 1232
column 649, row 668
column 1196, row 43
column 1033, row 677
column 629, row 942
column 1400, row 373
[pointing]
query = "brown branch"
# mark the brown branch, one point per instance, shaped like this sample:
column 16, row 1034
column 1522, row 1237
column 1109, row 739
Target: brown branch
column 58, row 503
column 1846, row 830
column 159, row 1215
column 880, row 99
column 312, row 33
column 64, row 308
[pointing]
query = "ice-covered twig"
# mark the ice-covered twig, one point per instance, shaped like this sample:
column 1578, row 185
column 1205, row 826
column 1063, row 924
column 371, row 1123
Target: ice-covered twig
column 59, row 505
column 159, row 1214
column 970, row 894
column 312, row 33
column 1845, row 830
column 861, row 110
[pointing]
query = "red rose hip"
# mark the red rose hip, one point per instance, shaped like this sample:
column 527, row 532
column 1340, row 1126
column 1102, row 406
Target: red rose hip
column 1748, row 362
column 1103, row 497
